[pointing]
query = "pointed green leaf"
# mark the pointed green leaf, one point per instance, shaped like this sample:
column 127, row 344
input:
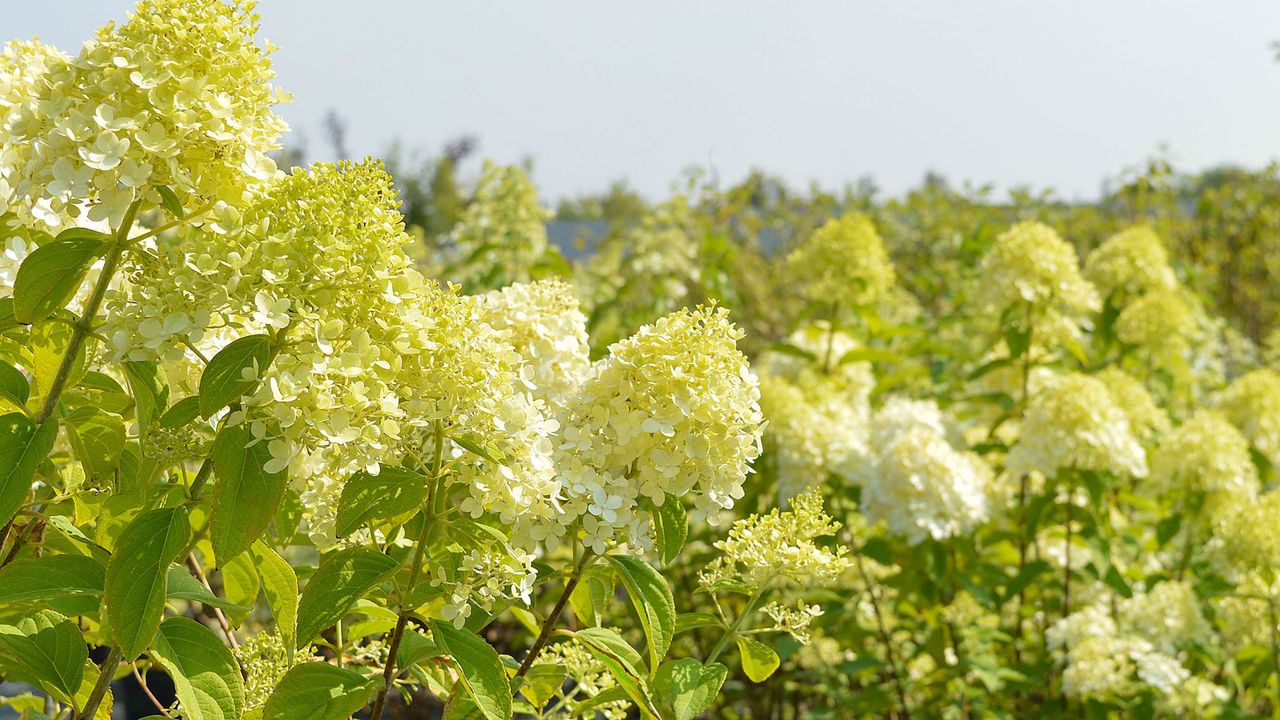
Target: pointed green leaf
column 50, row 276
column 608, row 640
column 136, row 580
column 32, row 579
column 688, row 687
column 342, row 578
column 670, row 525
column 318, row 691
column 651, row 597
column 233, row 372
column 205, row 675
column 22, row 447
column 150, row 390
column 280, row 585
column 98, row 438
column 14, row 386
column 393, row 491
column 169, row 201
column 481, row 668
column 47, row 649
column 182, row 585
column 241, row 584
column 758, row 660
column 245, row 496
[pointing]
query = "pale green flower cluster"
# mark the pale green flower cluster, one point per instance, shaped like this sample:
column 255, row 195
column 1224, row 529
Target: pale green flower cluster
column 1031, row 263
column 546, row 327
column 843, row 264
column 1146, row 418
column 23, row 65
column 501, row 237
column 1245, row 617
column 1248, row 530
column 915, row 481
column 1074, row 423
column 793, row 619
column 482, row 578
column 780, row 546
column 589, row 676
column 817, row 419
column 656, row 260
column 1252, row 403
column 1168, row 615
column 179, row 96
column 1161, row 322
column 1205, row 454
column 1130, row 263
column 671, row 412
column 1106, row 660
column 264, row 660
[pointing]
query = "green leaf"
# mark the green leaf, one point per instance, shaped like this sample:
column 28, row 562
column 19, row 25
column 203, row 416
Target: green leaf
column 51, row 275
column 481, row 668
column 318, row 691
column 49, row 341
column 542, row 682
column 14, row 385
column 688, row 687
column 393, row 491
column 653, row 602
column 182, row 585
column 22, row 447
column 32, row 579
column 671, row 526
column 280, row 585
column 98, row 438
column 136, row 581
column 205, row 675
column 169, row 201
column 233, row 372
column 631, row 684
column 184, row 411
column 241, row 584
column 608, row 640
column 342, row 578
column 48, row 649
column 692, row 620
column 150, row 390
column 758, row 660
column 245, row 496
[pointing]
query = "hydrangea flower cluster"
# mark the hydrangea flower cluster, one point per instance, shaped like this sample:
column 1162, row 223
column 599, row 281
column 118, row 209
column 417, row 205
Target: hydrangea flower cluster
column 672, row 412
column 817, row 418
column 1205, row 454
column 501, row 237
column 1252, row 403
column 23, row 65
column 1248, row 532
column 482, row 577
column 843, row 263
column 264, row 660
column 1073, row 423
column 793, row 619
column 549, row 331
column 1146, row 418
column 916, row 482
column 1161, row 322
column 1105, row 660
column 589, row 676
column 780, row 546
column 1130, row 263
column 145, row 104
column 1031, row 263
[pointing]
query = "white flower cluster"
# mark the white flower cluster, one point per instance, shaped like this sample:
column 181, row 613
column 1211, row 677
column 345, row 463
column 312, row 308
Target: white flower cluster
column 482, row 577
column 793, row 619
column 915, row 481
column 545, row 326
column 817, row 416
column 671, row 412
column 1130, row 263
column 145, row 104
column 779, row 546
column 501, row 237
column 1031, row 263
column 1074, row 423
column 1252, row 403
column 1205, row 454
column 1106, row 660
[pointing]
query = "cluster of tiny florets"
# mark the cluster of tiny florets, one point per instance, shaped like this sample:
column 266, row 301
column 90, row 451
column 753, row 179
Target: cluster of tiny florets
column 843, row 264
column 1073, row 423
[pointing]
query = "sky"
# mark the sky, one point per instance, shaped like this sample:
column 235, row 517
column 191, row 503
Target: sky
column 1048, row 93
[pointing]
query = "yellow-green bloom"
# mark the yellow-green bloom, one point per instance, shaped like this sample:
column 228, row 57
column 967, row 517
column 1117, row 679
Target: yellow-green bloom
column 178, row 96
column 501, row 237
column 1205, row 454
column 1031, row 263
column 1132, row 262
column 843, row 264
column 1252, row 403
column 1073, row 423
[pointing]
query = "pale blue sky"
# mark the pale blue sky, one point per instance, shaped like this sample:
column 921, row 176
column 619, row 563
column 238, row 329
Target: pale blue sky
column 1048, row 92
